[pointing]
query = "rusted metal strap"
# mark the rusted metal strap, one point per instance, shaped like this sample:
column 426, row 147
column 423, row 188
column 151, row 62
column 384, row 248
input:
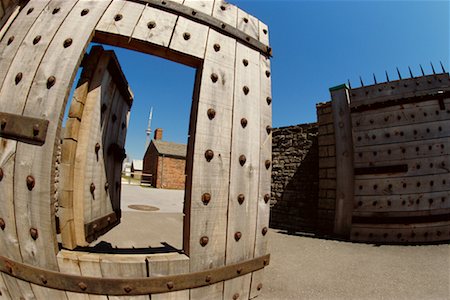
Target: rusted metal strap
column 205, row 19
column 24, row 129
column 128, row 286
column 100, row 226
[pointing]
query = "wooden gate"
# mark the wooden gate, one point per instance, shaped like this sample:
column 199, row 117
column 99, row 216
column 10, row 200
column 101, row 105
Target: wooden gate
column 229, row 150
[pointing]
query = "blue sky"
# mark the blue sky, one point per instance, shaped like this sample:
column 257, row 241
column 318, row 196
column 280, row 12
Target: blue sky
column 316, row 44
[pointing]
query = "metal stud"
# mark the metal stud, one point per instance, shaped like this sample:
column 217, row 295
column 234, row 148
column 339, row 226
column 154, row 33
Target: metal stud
column 43, row 279
column 97, row 148
column 194, row 12
column 18, row 77
column 1, row 174
column 265, row 31
column 92, row 188
column 264, row 231
column 244, row 122
column 237, row 236
column 2, row 224
column 118, row 17
column 56, row 10
column 236, row 296
column 268, row 163
column 186, row 36
column 239, row 270
column 82, row 286
column 242, row 160
column 211, row 113
column 267, row 73
column 67, row 43
column 10, row 40
column 246, row 90
column 3, row 124
column 30, row 10
column 245, row 20
column 51, row 81
column 245, row 62
column 216, row 47
column 223, row 7
column 127, row 289
column 208, row 278
column 170, row 285
column 266, row 198
column 209, row 155
column 151, row 24
column 241, row 198
column 214, row 77
column 36, row 129
column 204, row 241
column 34, row 233
column 206, row 198
column 259, row 287
column 84, row 12
column 269, row 100
column 106, row 186
column 30, row 182
column 268, row 129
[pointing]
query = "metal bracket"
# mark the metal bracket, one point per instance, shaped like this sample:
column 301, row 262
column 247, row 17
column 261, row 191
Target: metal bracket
column 24, row 129
column 129, row 286
column 100, row 226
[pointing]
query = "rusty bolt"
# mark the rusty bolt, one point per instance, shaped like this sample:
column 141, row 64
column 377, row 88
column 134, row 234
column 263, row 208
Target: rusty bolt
column 223, row 7
column 170, row 285
column 241, row 198
column 216, row 47
column 36, row 129
column 239, row 270
column 208, row 278
column 265, row 31
column 2, row 224
column 242, row 159
column 264, row 231
column 245, row 62
column 266, row 198
column 30, row 182
column 268, row 129
column 18, row 77
column 151, row 24
column 214, row 77
column 268, row 163
column 51, row 81
column 118, row 17
column 34, row 233
column 30, row 10
column 267, row 73
column 237, row 236
column 10, row 40
column 269, row 100
column 56, row 10
column 43, row 279
column 209, row 154
column 245, row 20
column 127, row 289
column 97, row 148
column 204, row 241
column 36, row 39
column 265, row 262
column 9, row 266
column 211, row 113
column 67, row 42
column 186, row 36
column 246, row 90
column 82, row 286
column 223, row 25
column 259, row 287
column 236, row 296
column 106, row 186
column 1, row 174
column 244, row 122
column 206, row 198
column 84, row 12
column 92, row 188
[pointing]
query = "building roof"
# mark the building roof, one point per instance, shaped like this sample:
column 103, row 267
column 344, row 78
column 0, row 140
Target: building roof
column 170, row 148
column 137, row 164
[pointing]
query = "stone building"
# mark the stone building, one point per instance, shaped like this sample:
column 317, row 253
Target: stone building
column 164, row 163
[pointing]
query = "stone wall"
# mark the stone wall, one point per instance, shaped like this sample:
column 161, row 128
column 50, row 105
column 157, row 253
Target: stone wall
column 295, row 178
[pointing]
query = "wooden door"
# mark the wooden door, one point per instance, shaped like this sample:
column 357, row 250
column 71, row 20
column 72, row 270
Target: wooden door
column 93, row 150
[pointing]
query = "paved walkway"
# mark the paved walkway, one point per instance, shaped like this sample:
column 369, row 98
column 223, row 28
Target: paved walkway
column 301, row 267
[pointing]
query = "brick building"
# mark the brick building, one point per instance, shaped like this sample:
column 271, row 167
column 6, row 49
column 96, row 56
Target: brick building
column 165, row 162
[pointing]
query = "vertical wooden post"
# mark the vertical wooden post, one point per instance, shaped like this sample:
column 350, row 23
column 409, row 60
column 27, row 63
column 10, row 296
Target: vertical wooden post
column 344, row 160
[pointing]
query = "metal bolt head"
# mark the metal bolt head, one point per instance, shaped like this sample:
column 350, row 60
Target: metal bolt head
column 237, row 236
column 30, row 10
column 18, row 77
column 1, row 174
column 92, row 188
column 268, row 129
column 82, row 286
column 236, row 296
column 170, row 285
column 118, row 17
column 51, row 81
column 214, row 77
column 216, row 47
column 266, row 198
column 10, row 40
column 56, row 10
column 245, row 62
column 84, row 12
column 30, row 182
column 246, row 90
column 206, row 198
column 239, row 270
column 259, row 287
column 211, row 113
column 36, row 39
column 97, row 147
column 2, row 224
column 268, row 163
column 186, row 36
column 269, row 100
column 3, row 124
column 264, row 231
column 267, row 73
column 34, row 233
column 242, row 160
column 208, row 278
column 151, row 24
column 241, row 198
column 245, row 20
column 209, row 155
column 43, row 279
column 204, row 241
column 244, row 122
column 67, row 42
column 36, row 129
column 127, row 289
column 265, row 31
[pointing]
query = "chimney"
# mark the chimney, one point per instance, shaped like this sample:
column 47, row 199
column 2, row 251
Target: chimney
column 158, row 134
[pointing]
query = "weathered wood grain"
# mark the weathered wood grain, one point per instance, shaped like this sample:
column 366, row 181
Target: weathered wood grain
column 121, row 17
column 189, row 38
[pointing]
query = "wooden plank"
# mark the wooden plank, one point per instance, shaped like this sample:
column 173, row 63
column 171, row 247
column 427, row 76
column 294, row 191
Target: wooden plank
column 118, row 265
column 401, row 185
column 402, row 134
column 205, row 6
column 8, row 18
column 168, row 264
column 4, row 293
column 262, row 224
column 401, row 233
column 393, row 116
column 430, row 203
column 263, row 33
column 189, row 38
column 68, row 263
column 390, row 153
column 210, row 219
column 244, row 176
column 344, row 160
column 121, row 17
column 155, row 26
column 90, row 267
column 225, row 12
column 248, row 24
